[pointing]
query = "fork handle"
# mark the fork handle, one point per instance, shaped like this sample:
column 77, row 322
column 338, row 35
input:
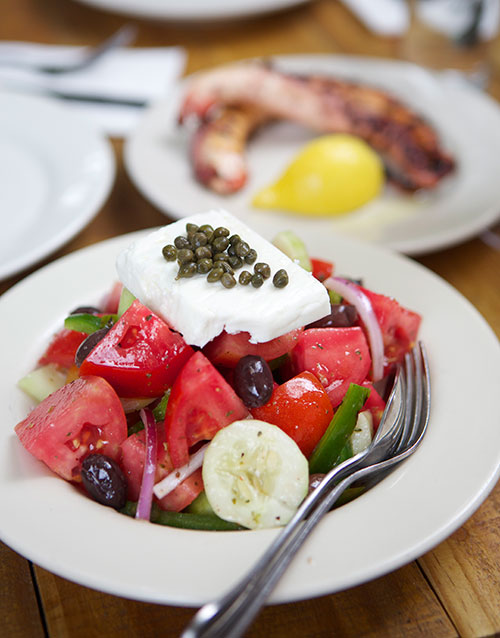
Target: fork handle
column 234, row 612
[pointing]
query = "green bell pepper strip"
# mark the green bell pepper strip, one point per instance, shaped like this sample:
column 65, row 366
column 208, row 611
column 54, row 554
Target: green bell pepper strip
column 158, row 414
column 327, row 453
column 88, row 323
column 185, row 520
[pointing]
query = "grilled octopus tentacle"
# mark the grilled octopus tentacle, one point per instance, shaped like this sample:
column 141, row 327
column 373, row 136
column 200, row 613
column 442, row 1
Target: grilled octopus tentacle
column 218, row 145
column 407, row 143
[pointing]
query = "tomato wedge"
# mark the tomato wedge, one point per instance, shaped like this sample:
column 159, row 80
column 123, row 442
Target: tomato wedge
column 201, row 403
column 321, row 269
column 336, row 356
column 399, row 326
column 140, row 356
column 132, row 464
column 82, row 417
column 62, row 348
column 227, row 350
column 301, row 408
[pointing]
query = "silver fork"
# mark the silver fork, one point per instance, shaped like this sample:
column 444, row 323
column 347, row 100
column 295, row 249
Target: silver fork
column 124, row 36
column 402, row 429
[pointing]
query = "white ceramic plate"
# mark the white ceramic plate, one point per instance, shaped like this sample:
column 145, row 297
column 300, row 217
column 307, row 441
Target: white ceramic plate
column 193, row 9
column 432, row 494
column 467, row 121
column 55, row 174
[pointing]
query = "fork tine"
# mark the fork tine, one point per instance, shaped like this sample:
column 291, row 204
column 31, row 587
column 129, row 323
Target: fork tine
column 417, row 403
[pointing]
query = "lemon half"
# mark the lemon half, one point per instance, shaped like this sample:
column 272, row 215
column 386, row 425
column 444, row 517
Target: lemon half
column 332, row 175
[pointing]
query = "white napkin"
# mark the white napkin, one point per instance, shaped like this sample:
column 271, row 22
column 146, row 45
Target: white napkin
column 391, row 17
column 384, row 17
column 131, row 74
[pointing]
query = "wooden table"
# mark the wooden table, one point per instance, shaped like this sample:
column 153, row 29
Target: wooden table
column 452, row 590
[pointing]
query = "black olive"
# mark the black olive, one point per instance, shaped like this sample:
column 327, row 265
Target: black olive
column 85, row 310
column 89, row 344
column 253, row 380
column 341, row 316
column 104, row 481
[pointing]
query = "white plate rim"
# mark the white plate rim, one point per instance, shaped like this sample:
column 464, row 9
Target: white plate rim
column 193, row 10
column 205, row 573
column 142, row 142
column 49, row 114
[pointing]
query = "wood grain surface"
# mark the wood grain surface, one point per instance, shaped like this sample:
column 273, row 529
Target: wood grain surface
column 454, row 590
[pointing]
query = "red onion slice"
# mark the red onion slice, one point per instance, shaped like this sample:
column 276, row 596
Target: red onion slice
column 148, row 475
column 175, row 478
column 351, row 293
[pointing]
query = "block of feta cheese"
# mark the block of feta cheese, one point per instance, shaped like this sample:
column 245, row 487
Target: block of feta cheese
column 200, row 310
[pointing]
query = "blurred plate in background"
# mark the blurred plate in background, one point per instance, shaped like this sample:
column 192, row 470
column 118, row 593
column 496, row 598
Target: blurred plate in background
column 55, row 174
column 193, row 9
column 462, row 205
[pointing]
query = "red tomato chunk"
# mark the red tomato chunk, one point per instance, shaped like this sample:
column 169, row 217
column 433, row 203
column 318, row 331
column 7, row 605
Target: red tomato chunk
column 321, row 269
column 336, row 356
column 399, row 326
column 301, row 408
column 200, row 404
column 62, row 349
column 227, row 349
column 82, row 417
column 132, row 464
column 140, row 356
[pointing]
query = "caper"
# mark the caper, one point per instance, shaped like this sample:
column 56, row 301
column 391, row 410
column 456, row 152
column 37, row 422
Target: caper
column 199, row 239
column 220, row 244
column 241, row 249
column 227, row 280
column 215, row 274
column 208, row 231
column 204, row 266
column 257, row 280
column 263, row 269
column 235, row 262
column 280, row 279
column 245, row 277
column 251, row 256
column 191, row 228
column 206, row 228
column 169, row 252
column 185, row 255
column 221, row 232
column 225, row 267
column 182, row 242
column 231, row 250
column 221, row 257
column 203, row 252
column 186, row 270
column 234, row 239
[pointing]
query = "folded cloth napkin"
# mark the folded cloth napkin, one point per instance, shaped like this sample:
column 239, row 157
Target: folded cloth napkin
column 384, row 17
column 132, row 75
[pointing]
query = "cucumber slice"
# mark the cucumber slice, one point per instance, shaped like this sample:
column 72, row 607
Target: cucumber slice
column 363, row 432
column 200, row 505
column 254, row 474
column 293, row 247
column 126, row 300
column 42, row 382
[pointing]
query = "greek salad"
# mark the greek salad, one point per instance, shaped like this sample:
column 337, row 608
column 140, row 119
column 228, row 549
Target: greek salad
column 221, row 376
